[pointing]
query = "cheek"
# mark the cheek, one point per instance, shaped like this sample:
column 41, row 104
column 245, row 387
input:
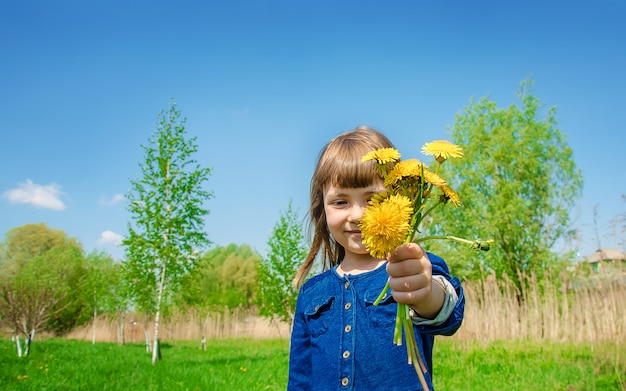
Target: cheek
column 332, row 218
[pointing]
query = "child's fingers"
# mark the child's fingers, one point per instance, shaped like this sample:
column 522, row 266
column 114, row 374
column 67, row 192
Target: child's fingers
column 407, row 260
column 409, row 283
column 405, row 267
column 407, row 251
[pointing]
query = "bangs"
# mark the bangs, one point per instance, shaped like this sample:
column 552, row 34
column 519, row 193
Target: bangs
column 345, row 169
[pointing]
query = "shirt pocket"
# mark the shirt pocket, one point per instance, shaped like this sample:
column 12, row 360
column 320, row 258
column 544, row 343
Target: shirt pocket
column 318, row 315
column 383, row 314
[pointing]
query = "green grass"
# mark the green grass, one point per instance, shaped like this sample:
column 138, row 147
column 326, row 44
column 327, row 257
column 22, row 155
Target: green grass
column 525, row 365
column 57, row 364
column 245, row 364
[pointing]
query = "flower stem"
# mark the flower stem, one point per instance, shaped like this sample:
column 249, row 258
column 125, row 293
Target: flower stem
column 441, row 237
column 404, row 322
column 431, row 208
column 414, row 357
column 477, row 244
column 382, row 294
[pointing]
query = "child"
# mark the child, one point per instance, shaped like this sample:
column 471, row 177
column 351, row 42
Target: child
column 339, row 340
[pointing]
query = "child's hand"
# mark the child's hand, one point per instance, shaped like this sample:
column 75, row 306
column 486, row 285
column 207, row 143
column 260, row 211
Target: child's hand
column 410, row 279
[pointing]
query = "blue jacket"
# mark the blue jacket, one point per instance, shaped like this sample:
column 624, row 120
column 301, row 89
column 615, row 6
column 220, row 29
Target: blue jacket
column 340, row 341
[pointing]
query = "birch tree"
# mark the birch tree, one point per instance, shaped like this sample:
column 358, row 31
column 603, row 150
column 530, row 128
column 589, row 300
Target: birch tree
column 276, row 294
column 102, row 287
column 167, row 210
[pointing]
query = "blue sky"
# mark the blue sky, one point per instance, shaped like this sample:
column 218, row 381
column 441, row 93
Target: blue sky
column 264, row 84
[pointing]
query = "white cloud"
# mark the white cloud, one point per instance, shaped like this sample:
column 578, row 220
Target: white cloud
column 110, row 237
column 42, row 196
column 115, row 200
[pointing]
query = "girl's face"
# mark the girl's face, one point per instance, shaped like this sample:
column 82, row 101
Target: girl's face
column 344, row 208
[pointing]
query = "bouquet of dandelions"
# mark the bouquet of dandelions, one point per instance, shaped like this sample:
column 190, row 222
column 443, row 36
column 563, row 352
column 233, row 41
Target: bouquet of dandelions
column 393, row 218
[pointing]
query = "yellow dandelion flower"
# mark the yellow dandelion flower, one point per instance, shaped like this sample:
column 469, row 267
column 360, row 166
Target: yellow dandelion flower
column 410, row 168
column 385, row 224
column 382, row 156
column 379, row 197
column 442, row 150
column 434, row 179
column 450, row 195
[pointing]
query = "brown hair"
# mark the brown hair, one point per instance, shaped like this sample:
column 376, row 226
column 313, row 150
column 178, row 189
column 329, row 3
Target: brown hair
column 339, row 164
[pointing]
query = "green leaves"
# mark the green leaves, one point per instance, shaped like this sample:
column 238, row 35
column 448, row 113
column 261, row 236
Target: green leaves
column 276, row 295
column 224, row 279
column 42, row 275
column 517, row 181
column 166, row 205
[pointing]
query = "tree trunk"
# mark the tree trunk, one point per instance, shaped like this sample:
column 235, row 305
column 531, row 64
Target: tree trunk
column 156, row 352
column 18, row 345
column 155, row 348
column 203, row 331
column 29, row 341
column 121, row 337
column 93, row 328
column 148, row 344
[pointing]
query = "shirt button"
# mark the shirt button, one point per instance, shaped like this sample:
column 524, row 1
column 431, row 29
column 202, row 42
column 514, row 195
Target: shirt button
column 346, row 354
column 345, row 381
column 348, row 328
column 347, row 306
column 347, row 284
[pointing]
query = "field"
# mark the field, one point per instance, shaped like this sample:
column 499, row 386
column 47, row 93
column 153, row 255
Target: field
column 558, row 340
column 261, row 364
column 56, row 364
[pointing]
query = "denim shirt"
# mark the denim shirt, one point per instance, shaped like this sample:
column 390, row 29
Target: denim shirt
column 341, row 341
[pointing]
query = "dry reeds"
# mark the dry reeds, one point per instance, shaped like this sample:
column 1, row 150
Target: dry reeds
column 188, row 326
column 588, row 310
column 583, row 310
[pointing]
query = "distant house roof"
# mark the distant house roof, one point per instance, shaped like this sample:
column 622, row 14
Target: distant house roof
column 604, row 254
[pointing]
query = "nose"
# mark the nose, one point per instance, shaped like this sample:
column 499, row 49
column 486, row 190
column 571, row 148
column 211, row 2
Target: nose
column 356, row 212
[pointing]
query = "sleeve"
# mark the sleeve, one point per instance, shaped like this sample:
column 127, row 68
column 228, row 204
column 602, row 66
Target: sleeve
column 451, row 315
column 299, row 352
column 449, row 303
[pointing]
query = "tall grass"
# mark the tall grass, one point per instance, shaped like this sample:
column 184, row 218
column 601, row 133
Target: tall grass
column 589, row 311
column 188, row 326
column 573, row 310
